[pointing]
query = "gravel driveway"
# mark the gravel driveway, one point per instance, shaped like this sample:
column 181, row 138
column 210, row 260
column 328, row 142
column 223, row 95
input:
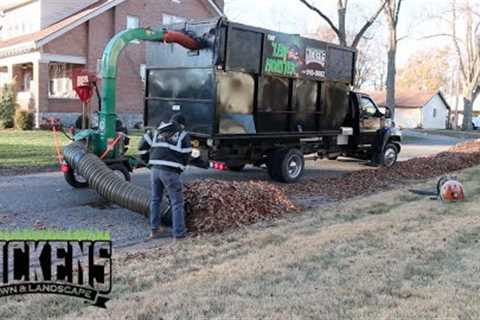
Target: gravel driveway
column 45, row 200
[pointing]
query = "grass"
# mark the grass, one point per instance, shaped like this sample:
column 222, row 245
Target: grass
column 36, row 149
column 52, row 235
column 28, row 148
column 401, row 257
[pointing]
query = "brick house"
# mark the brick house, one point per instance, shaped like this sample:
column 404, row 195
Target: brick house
column 42, row 41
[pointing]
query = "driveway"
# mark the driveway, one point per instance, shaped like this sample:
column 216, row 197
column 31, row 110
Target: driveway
column 45, row 200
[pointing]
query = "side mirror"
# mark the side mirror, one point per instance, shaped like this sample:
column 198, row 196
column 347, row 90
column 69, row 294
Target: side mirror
column 388, row 113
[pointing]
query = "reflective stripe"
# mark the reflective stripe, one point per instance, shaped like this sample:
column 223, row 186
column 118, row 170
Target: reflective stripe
column 142, row 152
column 167, row 163
column 180, row 139
column 148, row 139
column 171, row 147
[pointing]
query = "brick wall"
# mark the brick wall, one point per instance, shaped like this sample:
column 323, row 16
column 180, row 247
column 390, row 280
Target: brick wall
column 74, row 42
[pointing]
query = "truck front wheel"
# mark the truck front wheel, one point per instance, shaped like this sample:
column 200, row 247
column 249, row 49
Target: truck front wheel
column 286, row 165
column 389, row 156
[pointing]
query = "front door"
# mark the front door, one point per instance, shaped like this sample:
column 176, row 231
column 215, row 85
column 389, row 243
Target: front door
column 371, row 120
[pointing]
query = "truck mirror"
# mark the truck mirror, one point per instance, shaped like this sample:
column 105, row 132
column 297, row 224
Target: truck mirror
column 388, row 112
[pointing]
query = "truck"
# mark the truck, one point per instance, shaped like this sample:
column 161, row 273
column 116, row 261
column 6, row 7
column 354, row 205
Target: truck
column 258, row 97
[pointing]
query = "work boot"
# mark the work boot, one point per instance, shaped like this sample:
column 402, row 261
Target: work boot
column 161, row 232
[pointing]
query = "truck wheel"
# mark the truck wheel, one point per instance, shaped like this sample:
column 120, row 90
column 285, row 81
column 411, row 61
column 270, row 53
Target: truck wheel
column 287, row 165
column 389, row 156
column 121, row 170
column 75, row 180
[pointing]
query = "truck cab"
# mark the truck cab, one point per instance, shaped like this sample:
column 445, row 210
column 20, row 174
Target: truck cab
column 375, row 135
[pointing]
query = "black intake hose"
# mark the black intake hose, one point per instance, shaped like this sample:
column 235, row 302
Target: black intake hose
column 101, row 178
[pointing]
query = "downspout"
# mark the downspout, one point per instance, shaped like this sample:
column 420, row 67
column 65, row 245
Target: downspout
column 111, row 55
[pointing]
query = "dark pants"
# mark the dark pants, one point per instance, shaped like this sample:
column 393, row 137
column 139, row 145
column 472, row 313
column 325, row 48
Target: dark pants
column 164, row 179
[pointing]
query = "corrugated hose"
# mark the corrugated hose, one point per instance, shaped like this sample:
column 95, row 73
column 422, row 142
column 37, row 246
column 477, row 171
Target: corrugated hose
column 108, row 184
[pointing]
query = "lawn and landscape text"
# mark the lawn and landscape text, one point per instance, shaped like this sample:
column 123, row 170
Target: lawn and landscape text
column 53, row 263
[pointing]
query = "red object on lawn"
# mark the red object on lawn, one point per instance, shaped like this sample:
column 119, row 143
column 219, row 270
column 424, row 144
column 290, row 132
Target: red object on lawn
column 83, row 84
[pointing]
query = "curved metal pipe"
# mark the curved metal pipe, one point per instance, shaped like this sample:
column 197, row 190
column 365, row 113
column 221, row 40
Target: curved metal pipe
column 111, row 55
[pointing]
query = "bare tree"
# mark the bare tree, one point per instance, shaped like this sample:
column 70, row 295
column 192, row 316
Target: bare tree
column 340, row 29
column 392, row 14
column 468, row 54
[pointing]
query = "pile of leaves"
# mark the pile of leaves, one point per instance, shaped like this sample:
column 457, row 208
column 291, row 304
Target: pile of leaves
column 216, row 206
column 459, row 157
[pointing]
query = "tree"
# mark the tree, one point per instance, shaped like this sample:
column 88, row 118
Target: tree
column 392, row 14
column 7, row 107
column 468, row 54
column 340, row 30
column 426, row 70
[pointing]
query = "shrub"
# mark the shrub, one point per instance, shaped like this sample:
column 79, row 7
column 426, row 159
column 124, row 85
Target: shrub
column 7, row 107
column 24, row 120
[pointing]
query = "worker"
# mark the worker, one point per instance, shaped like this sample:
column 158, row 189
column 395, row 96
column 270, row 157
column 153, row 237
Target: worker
column 168, row 149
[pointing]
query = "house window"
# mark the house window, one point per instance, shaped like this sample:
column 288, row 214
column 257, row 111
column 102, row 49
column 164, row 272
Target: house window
column 133, row 22
column 60, row 84
column 170, row 19
column 434, row 112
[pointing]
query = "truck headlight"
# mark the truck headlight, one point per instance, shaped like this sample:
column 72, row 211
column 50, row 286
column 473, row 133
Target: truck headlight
column 196, row 153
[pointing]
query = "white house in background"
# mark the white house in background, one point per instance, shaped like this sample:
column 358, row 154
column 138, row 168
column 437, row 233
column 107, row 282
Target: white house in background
column 419, row 109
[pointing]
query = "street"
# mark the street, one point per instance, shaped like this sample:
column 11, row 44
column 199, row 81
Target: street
column 45, row 200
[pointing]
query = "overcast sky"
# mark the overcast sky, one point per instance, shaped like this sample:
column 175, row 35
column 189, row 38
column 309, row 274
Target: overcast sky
column 293, row 17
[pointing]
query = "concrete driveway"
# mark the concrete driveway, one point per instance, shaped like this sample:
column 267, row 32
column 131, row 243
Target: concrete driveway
column 45, row 200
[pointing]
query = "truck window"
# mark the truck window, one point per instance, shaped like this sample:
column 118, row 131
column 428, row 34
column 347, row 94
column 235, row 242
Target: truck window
column 367, row 107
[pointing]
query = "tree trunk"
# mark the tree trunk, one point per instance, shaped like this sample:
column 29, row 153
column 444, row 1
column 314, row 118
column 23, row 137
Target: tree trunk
column 391, row 71
column 467, row 112
column 342, row 15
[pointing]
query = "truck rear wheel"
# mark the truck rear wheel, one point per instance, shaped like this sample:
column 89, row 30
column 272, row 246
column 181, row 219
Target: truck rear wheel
column 286, row 165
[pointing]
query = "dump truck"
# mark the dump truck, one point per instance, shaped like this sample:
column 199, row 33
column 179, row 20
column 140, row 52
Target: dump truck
column 258, row 97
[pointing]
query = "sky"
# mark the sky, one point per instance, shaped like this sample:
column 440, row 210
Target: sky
column 293, row 17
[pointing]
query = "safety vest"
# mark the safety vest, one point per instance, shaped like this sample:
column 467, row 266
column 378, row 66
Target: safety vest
column 166, row 150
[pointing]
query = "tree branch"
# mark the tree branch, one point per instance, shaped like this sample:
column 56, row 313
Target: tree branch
column 324, row 17
column 367, row 25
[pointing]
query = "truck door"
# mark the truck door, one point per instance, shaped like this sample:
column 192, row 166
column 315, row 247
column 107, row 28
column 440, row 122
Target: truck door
column 371, row 120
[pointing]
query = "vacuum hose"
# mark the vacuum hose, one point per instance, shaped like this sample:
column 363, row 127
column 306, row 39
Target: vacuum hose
column 101, row 178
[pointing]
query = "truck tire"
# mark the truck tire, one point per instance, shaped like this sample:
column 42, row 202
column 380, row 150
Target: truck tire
column 121, row 170
column 389, row 156
column 286, row 165
column 75, row 180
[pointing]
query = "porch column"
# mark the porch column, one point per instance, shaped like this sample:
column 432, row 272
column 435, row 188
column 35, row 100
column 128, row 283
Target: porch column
column 10, row 72
column 40, row 89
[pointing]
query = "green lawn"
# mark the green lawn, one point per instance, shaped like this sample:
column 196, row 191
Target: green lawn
column 20, row 149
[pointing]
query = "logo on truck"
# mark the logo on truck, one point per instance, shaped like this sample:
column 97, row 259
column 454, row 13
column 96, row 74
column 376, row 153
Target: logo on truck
column 315, row 62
